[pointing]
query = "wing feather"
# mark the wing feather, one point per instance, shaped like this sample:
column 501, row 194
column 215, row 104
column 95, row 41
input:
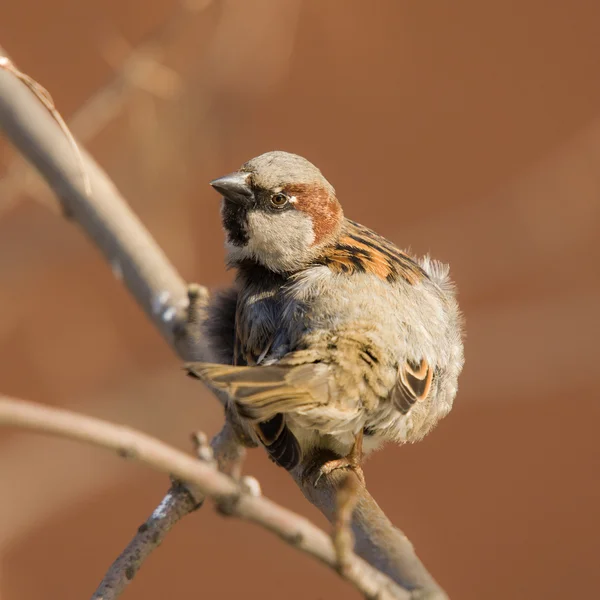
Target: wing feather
column 414, row 384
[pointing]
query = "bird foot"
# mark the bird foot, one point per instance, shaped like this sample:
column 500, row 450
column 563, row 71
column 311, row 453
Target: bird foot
column 352, row 461
column 342, row 463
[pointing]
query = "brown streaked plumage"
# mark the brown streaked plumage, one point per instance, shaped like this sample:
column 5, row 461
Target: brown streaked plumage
column 361, row 249
column 330, row 331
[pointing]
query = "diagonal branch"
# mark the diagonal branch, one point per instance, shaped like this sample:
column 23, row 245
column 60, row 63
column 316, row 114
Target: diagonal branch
column 104, row 215
column 177, row 503
column 141, row 68
column 162, row 293
column 230, row 497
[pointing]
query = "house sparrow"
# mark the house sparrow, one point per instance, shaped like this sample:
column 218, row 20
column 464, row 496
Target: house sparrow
column 330, row 332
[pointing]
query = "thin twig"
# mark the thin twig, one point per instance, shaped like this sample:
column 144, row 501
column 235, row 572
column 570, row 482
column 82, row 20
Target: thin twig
column 130, row 250
column 141, row 68
column 175, row 505
column 224, row 453
column 230, row 497
column 43, row 95
column 375, row 537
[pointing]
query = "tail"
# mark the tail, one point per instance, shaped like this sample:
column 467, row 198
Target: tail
column 262, row 392
column 279, row 441
column 264, row 395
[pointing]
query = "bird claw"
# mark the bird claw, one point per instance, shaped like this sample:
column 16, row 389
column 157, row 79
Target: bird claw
column 341, row 463
column 352, row 461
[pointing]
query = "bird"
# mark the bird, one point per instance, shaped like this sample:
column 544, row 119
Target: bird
column 331, row 338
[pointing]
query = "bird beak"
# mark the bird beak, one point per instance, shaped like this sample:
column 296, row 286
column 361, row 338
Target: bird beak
column 234, row 187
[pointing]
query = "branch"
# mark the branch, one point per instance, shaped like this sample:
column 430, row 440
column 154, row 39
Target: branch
column 162, row 293
column 134, row 68
column 375, row 537
column 104, row 215
column 230, row 497
column 178, row 503
column 175, row 505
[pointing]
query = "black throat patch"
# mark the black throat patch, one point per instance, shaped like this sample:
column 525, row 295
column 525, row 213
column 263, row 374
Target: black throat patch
column 235, row 222
column 251, row 272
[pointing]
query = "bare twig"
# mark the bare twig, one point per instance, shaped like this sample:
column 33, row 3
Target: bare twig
column 230, row 497
column 375, row 537
column 43, row 95
column 104, row 215
column 179, row 502
column 140, row 68
column 203, row 449
column 162, row 293
column 175, row 505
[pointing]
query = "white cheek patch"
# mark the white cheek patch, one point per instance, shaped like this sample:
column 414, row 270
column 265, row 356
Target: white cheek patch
column 293, row 200
column 281, row 241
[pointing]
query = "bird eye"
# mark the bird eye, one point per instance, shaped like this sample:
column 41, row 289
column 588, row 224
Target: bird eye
column 279, row 200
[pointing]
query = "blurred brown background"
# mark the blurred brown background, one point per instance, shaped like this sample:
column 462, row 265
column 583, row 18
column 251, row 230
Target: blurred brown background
column 468, row 129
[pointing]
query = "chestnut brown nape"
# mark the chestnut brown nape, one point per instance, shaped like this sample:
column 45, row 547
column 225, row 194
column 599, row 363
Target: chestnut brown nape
column 321, row 205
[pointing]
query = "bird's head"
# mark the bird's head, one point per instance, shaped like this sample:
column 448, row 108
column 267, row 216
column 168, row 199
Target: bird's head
column 279, row 211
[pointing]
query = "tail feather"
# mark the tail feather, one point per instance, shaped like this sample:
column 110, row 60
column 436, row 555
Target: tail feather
column 264, row 394
column 260, row 393
column 280, row 442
